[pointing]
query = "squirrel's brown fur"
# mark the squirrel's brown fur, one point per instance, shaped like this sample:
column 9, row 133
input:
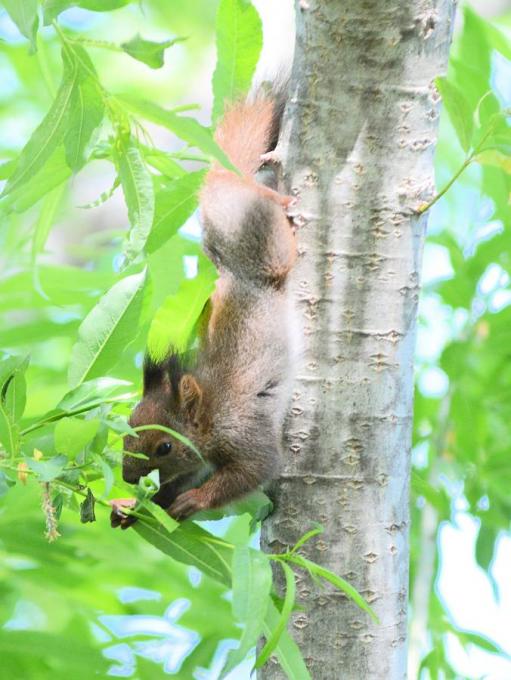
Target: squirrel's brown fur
column 231, row 401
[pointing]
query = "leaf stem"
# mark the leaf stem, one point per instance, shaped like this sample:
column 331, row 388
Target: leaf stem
column 67, row 414
column 102, row 44
column 426, row 206
column 78, row 490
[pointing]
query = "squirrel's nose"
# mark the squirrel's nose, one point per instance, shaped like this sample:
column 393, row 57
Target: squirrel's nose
column 130, row 474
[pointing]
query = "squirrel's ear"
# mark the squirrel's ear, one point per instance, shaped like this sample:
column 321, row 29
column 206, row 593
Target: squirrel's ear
column 190, row 395
column 155, row 376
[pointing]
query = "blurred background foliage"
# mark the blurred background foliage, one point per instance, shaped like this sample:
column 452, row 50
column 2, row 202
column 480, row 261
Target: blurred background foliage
column 461, row 460
column 102, row 602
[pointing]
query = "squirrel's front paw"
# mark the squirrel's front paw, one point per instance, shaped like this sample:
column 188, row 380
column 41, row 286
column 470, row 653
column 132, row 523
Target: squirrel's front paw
column 117, row 517
column 187, row 504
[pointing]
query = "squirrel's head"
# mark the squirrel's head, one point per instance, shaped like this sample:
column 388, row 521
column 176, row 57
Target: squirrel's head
column 171, row 398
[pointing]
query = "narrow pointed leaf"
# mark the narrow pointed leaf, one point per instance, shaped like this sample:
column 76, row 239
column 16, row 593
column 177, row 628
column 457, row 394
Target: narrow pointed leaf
column 47, row 470
column 337, row 581
column 49, row 134
column 54, row 172
column 273, row 638
column 187, row 544
column 73, row 434
column 251, row 586
column 137, row 186
column 238, row 43
column 174, row 321
column 49, row 207
column 175, row 203
column 459, row 111
column 187, row 129
column 24, row 15
column 8, row 434
column 148, row 52
column 14, row 392
column 286, row 651
column 108, row 329
column 86, row 114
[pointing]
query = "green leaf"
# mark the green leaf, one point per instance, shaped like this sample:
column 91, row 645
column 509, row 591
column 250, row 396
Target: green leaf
column 49, row 134
column 49, row 208
column 8, row 435
column 6, row 168
column 188, row 544
column 187, row 129
column 161, row 161
column 87, row 513
column 307, row 537
column 238, row 43
column 257, row 505
column 459, row 111
column 85, row 397
column 497, row 38
column 469, row 638
column 495, row 158
column 174, row 321
column 47, row 470
column 485, row 545
column 251, row 586
column 287, row 651
column 174, row 204
column 54, row 173
column 24, row 15
column 45, row 221
column 73, row 434
column 92, row 393
column 272, row 640
column 6, row 483
column 108, row 475
column 86, row 111
column 148, row 52
column 80, row 658
column 163, row 517
column 137, row 186
column 12, row 399
column 480, row 641
column 52, row 8
column 14, row 393
column 148, row 485
column 335, row 580
column 108, row 329
column 8, row 366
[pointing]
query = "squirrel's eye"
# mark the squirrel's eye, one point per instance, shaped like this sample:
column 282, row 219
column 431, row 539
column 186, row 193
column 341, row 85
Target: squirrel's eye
column 164, row 449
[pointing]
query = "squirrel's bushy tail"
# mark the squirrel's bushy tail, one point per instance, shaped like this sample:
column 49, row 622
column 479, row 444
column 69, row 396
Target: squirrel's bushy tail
column 248, row 130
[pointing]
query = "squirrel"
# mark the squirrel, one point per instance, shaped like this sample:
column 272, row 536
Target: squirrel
column 231, row 401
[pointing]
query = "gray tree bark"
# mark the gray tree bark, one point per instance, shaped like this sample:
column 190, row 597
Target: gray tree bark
column 359, row 139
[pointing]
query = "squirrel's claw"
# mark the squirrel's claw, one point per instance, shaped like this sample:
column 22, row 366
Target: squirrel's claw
column 271, row 157
column 117, row 517
column 186, row 504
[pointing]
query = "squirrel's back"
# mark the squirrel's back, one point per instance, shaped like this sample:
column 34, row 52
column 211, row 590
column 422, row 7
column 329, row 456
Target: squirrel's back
column 247, row 234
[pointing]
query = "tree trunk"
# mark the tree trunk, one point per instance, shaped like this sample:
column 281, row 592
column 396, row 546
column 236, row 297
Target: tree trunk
column 358, row 143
